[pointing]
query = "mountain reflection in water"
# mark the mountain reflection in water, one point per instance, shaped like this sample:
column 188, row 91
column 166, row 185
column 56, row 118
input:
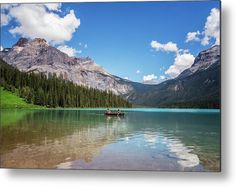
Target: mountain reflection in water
column 86, row 139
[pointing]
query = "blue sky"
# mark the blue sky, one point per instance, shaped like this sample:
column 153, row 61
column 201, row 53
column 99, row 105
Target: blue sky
column 138, row 41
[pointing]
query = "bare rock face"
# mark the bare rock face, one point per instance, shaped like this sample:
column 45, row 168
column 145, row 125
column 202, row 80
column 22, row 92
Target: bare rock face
column 200, row 82
column 38, row 56
column 21, row 42
column 203, row 61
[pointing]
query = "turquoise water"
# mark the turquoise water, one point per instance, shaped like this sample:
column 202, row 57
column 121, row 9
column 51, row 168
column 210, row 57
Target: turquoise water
column 144, row 139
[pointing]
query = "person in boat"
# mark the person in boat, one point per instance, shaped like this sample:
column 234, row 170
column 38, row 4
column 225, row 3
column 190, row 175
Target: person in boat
column 108, row 111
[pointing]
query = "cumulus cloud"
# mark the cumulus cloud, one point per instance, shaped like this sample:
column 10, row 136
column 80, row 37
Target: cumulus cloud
column 44, row 22
column 167, row 47
column 211, row 30
column 127, row 78
column 212, row 27
column 162, row 77
column 138, row 71
column 53, row 6
column 193, row 36
column 1, row 48
column 181, row 62
column 7, row 6
column 183, row 59
column 5, row 19
column 68, row 50
column 150, row 79
column 153, row 79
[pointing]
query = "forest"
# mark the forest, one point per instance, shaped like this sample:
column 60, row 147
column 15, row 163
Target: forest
column 53, row 91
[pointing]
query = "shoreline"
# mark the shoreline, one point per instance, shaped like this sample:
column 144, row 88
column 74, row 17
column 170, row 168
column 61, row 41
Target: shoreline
column 126, row 109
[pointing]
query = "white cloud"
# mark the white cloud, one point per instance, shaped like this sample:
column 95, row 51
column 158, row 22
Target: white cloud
column 150, row 79
column 193, row 36
column 43, row 22
column 138, row 71
column 86, row 46
column 184, row 59
column 5, row 19
column 80, row 51
column 1, row 48
column 162, row 77
column 168, row 47
column 181, row 62
column 7, row 6
column 211, row 30
column 185, row 51
column 127, row 78
column 212, row 27
column 53, row 6
column 68, row 50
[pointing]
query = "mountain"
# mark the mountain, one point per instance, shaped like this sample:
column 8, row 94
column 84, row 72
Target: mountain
column 203, row 61
column 198, row 86
column 38, row 56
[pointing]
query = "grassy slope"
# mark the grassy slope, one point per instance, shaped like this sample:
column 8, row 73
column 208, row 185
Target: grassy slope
column 10, row 100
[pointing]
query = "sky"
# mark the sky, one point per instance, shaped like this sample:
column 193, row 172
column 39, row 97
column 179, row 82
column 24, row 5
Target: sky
column 146, row 42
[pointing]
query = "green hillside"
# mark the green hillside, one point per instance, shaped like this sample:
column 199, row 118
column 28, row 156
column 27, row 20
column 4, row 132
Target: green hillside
column 11, row 100
column 52, row 91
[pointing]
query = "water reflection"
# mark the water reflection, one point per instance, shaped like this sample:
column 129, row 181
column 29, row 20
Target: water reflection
column 88, row 139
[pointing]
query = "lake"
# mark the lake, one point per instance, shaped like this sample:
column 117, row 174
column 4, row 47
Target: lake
column 144, row 139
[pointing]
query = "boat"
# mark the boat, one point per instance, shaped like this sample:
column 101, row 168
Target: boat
column 114, row 113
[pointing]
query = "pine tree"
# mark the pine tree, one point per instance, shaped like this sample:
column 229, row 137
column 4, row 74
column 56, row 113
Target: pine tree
column 53, row 91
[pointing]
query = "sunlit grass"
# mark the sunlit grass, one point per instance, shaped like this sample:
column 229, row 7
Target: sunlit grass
column 10, row 100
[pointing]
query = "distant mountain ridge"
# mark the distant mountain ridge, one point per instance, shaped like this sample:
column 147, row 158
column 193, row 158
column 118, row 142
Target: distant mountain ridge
column 197, row 86
column 38, row 56
column 203, row 61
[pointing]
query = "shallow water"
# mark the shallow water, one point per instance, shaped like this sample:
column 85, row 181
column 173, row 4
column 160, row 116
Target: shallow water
column 144, row 139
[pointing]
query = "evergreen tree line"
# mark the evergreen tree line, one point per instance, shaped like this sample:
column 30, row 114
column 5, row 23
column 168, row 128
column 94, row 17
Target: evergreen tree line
column 53, row 91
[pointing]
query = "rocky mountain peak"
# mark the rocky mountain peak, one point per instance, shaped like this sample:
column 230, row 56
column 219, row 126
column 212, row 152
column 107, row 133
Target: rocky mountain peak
column 21, row 42
column 38, row 56
column 203, row 61
column 39, row 41
column 208, row 55
column 35, row 56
